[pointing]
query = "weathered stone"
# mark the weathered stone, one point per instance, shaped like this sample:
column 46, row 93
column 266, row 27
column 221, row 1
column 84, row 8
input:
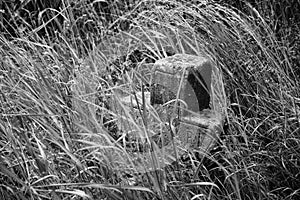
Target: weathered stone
column 186, row 94
column 186, row 77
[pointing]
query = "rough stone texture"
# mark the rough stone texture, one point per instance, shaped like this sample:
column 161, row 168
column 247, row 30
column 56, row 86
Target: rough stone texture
column 195, row 123
column 186, row 77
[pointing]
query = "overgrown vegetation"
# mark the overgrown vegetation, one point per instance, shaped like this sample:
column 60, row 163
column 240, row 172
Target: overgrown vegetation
column 56, row 128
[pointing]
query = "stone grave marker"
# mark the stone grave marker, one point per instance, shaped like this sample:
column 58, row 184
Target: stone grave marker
column 181, row 111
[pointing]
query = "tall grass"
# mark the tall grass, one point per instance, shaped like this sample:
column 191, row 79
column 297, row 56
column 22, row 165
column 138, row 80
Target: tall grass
column 55, row 141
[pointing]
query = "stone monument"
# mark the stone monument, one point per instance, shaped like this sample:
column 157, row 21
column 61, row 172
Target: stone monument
column 182, row 110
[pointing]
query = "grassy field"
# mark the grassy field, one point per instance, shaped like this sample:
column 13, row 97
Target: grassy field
column 59, row 139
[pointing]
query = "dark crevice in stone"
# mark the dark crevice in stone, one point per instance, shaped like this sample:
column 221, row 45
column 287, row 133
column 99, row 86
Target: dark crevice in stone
column 200, row 89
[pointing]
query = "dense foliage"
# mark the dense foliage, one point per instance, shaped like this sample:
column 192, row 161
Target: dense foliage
column 61, row 60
